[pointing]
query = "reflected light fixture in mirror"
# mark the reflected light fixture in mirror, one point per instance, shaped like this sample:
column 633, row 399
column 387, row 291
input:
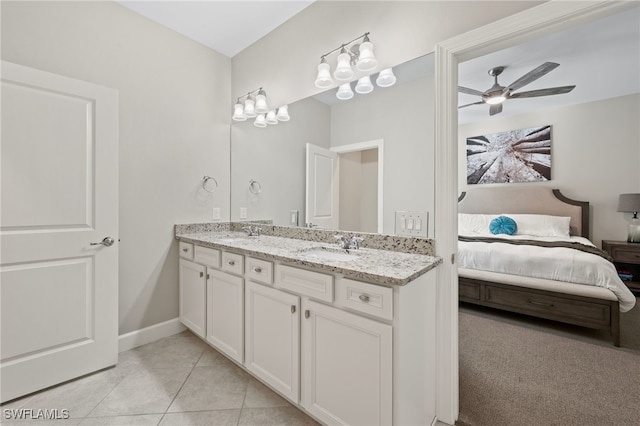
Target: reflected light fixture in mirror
column 344, row 92
column 364, row 85
column 386, row 78
column 258, row 108
column 359, row 54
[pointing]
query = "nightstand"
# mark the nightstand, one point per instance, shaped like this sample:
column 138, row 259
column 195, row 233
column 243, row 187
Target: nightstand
column 626, row 256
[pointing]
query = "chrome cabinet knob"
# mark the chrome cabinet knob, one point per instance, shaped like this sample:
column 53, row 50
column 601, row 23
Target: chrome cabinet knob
column 106, row 241
column 364, row 297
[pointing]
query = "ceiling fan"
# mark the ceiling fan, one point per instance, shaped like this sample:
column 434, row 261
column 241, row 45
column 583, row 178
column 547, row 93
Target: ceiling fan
column 497, row 94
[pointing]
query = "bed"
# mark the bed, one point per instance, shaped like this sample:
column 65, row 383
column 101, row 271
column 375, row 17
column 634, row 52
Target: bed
column 541, row 295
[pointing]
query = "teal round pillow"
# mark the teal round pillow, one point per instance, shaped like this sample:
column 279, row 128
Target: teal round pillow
column 503, row 225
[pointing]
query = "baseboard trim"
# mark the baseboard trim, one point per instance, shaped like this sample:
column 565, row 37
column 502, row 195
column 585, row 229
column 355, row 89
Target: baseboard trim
column 149, row 334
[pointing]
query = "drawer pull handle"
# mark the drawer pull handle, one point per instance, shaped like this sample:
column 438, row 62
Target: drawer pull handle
column 293, row 309
column 307, row 313
column 231, row 263
column 548, row 305
column 257, row 270
column 201, row 274
column 185, row 249
column 363, row 297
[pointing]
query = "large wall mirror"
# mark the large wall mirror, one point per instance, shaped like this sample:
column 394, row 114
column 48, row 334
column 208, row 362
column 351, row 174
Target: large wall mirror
column 382, row 146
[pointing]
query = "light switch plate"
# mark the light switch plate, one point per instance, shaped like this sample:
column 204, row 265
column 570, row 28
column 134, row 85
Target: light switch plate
column 216, row 213
column 243, row 212
column 412, row 223
column 293, row 217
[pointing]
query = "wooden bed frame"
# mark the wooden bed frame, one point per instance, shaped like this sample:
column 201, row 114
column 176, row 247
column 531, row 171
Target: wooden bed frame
column 591, row 312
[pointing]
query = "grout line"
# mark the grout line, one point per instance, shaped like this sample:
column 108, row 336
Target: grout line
column 183, row 383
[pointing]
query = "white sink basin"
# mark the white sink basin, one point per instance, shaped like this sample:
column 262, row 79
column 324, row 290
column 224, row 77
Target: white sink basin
column 326, row 254
column 230, row 239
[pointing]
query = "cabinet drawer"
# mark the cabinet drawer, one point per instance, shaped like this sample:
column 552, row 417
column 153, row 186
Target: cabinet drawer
column 207, row 256
column 306, row 283
column 259, row 270
column 186, row 250
column 368, row 298
column 625, row 255
column 233, row 263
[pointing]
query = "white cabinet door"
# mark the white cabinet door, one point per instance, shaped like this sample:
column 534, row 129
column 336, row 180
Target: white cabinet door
column 193, row 296
column 225, row 313
column 346, row 367
column 272, row 338
column 59, row 196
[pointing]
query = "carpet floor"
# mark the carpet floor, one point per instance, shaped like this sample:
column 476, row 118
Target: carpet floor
column 516, row 370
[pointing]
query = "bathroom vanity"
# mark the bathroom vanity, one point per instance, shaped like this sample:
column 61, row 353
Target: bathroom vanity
column 346, row 335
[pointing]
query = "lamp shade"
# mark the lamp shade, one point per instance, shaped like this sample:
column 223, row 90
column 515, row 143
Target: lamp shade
column 283, row 113
column 260, row 121
column 344, row 92
column 271, row 117
column 250, row 108
column 364, row 85
column 261, row 102
column 343, row 69
column 386, row 78
column 324, row 80
column 367, row 60
column 629, row 203
column 238, row 112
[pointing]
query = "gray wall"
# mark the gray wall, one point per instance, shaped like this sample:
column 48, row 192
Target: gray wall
column 174, row 128
column 594, row 155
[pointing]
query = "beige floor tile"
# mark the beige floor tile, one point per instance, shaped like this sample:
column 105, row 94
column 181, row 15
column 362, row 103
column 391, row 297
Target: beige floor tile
column 146, row 392
column 260, row 396
column 180, row 350
column 61, row 422
column 79, row 396
column 202, row 418
column 16, row 403
column 139, row 420
column 217, row 387
column 211, row 357
column 281, row 416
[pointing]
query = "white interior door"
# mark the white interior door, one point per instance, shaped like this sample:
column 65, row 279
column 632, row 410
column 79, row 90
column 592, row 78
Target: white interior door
column 322, row 187
column 58, row 292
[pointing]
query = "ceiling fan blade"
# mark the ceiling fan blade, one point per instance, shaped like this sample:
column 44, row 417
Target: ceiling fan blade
column 532, row 75
column 542, row 92
column 467, row 105
column 469, row 91
column 495, row 109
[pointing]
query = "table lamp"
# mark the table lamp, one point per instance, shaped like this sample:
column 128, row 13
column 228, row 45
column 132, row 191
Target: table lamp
column 631, row 203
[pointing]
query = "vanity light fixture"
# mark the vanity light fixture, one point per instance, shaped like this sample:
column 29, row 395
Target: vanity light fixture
column 249, row 107
column 359, row 54
column 386, row 78
column 344, row 92
column 364, row 85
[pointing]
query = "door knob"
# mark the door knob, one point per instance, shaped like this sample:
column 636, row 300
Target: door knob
column 106, row 241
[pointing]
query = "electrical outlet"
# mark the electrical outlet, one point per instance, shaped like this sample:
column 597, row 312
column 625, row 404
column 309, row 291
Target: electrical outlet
column 293, row 217
column 243, row 212
column 216, row 213
column 412, row 224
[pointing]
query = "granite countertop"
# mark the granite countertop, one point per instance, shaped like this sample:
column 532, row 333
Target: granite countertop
column 372, row 265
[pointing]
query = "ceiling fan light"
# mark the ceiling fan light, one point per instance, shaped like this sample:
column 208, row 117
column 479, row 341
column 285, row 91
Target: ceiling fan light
column 344, row 92
column 386, row 78
column 364, row 85
column 238, row 113
column 494, row 100
column 324, row 80
column 271, row 117
column 343, row 69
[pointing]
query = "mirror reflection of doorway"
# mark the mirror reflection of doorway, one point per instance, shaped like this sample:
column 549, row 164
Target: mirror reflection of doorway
column 358, row 193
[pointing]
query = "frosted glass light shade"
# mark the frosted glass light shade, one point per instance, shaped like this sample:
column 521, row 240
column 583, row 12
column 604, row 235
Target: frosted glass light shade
column 283, row 113
column 344, row 92
column 343, row 69
column 261, row 102
column 260, row 121
column 271, row 117
column 386, row 78
column 367, row 60
column 238, row 113
column 364, row 85
column 250, row 108
column 324, row 80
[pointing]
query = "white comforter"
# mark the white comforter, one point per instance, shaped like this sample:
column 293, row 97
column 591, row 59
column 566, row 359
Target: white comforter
column 556, row 263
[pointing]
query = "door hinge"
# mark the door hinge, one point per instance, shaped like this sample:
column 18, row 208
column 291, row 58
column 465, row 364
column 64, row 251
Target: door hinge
column 293, row 309
column 453, row 258
column 307, row 314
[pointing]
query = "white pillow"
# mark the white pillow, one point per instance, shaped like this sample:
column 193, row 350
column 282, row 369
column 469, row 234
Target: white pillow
column 540, row 225
column 474, row 224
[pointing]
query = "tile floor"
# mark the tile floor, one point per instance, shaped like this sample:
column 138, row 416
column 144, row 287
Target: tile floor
column 178, row 380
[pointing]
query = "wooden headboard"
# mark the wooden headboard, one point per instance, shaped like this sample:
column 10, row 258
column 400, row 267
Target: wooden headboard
column 527, row 200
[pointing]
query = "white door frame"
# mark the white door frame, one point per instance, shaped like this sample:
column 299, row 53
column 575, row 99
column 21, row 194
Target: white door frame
column 532, row 23
column 363, row 146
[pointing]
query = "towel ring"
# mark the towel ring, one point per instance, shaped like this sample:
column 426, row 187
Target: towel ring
column 255, row 187
column 209, row 184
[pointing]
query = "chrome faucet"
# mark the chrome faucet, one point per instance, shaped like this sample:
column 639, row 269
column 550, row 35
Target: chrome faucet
column 349, row 244
column 252, row 231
